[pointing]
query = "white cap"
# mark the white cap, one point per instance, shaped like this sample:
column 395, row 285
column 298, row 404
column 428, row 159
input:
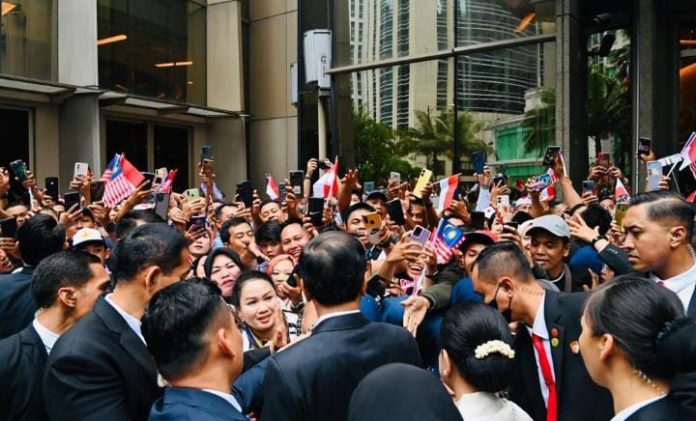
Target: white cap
column 551, row 223
column 86, row 235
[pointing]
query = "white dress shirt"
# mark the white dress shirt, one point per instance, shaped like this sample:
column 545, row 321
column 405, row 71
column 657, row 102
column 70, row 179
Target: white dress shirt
column 131, row 321
column 226, row 396
column 627, row 412
column 330, row 315
column 47, row 337
column 539, row 329
column 682, row 285
column 484, row 406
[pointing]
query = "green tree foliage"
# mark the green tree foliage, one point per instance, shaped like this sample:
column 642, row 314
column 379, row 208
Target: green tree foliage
column 541, row 123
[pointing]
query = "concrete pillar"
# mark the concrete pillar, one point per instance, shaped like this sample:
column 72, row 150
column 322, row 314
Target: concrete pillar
column 571, row 88
column 224, row 52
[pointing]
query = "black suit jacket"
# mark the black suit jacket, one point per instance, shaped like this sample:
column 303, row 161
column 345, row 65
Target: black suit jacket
column 665, row 409
column 683, row 385
column 100, row 370
column 22, row 363
column 17, row 305
column 579, row 398
column 314, row 379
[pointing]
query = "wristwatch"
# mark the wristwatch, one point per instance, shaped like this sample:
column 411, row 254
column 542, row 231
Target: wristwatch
column 597, row 238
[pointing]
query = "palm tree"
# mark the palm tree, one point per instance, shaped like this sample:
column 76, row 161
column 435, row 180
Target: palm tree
column 608, row 107
column 541, row 122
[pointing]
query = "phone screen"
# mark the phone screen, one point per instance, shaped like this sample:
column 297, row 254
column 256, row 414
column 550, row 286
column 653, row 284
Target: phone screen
column 316, row 210
column 654, row 175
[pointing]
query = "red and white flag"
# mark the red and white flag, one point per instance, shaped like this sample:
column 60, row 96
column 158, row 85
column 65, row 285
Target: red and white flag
column 621, row 195
column 327, row 185
column 689, row 154
column 125, row 178
column 272, row 189
column 447, row 188
column 166, row 186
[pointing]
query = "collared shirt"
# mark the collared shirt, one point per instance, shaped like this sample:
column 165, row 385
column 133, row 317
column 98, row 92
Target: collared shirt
column 330, row 315
column 47, row 337
column 627, row 412
column 131, row 321
column 539, row 329
column 682, row 285
column 226, row 396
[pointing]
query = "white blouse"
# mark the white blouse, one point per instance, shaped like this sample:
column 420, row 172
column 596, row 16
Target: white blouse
column 484, row 406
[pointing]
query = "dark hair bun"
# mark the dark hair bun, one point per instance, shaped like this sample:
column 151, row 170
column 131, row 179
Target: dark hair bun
column 676, row 344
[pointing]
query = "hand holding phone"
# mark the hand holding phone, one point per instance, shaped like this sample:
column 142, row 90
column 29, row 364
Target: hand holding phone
column 550, row 155
column 297, row 181
column 246, row 193
column 373, row 225
column 81, row 169
column 644, row 146
column 420, row 235
column 654, row 175
column 422, row 182
column 19, row 169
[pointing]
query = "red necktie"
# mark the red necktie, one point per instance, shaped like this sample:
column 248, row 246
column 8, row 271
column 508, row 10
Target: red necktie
column 548, row 377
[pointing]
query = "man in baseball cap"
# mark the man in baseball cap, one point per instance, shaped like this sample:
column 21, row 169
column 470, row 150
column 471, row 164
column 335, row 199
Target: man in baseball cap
column 90, row 240
column 550, row 245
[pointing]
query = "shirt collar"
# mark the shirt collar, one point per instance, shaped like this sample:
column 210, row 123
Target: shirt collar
column 131, row 321
column 226, row 396
column 47, row 337
column 627, row 412
column 330, row 315
column 679, row 282
column 539, row 327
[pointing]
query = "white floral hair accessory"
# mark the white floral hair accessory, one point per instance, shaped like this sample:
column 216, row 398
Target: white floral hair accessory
column 490, row 347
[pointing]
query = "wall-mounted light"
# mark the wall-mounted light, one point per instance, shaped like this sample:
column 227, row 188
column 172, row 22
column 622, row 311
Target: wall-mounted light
column 7, row 7
column 111, row 40
column 174, row 64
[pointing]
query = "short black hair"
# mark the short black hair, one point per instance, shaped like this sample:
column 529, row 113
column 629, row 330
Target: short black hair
column 150, row 244
column 467, row 326
column 596, row 216
column 57, row 270
column 245, row 277
column 40, row 237
column 332, row 267
column 264, row 202
column 287, row 223
column 521, row 217
column 638, row 313
column 665, row 205
column 345, row 215
column 134, row 218
column 500, row 259
column 218, row 211
column 269, row 232
column 208, row 265
column 176, row 322
column 232, row 222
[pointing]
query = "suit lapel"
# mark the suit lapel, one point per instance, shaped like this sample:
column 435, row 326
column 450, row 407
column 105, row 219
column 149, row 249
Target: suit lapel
column 130, row 342
column 552, row 315
column 33, row 347
column 691, row 310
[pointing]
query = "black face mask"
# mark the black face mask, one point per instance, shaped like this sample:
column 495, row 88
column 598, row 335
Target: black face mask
column 507, row 313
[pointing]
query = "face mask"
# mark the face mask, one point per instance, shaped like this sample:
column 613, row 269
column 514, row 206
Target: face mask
column 507, row 313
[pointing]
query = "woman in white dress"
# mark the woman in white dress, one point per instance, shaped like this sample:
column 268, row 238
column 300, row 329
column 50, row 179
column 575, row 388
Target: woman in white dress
column 476, row 362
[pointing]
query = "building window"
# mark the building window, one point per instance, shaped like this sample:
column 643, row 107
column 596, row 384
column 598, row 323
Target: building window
column 402, row 111
column 27, row 39
column 386, row 95
column 404, row 22
column 153, row 48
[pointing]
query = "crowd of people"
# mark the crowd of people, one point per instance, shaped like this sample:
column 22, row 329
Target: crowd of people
column 491, row 302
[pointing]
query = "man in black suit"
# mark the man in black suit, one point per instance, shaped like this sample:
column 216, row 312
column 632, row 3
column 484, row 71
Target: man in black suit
column 38, row 237
column 65, row 286
column 659, row 226
column 314, row 379
column 196, row 341
column 100, row 369
column 551, row 382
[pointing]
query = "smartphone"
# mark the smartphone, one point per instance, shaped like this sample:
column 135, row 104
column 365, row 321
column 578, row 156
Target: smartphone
column 542, row 182
column 479, row 160
column 316, row 210
column 81, row 169
column 206, row 153
column 19, row 169
column 96, row 190
column 620, row 213
column 477, row 220
column 149, row 176
column 499, row 180
column 395, row 177
column 369, row 187
column 396, row 212
column 161, row 174
column 644, row 145
column 292, row 281
column 502, row 169
column 603, row 159
column 654, row 175
column 197, row 222
column 511, row 224
column 162, row 205
column 420, row 235
column 322, row 164
column 588, row 185
column 246, row 193
column 550, row 155
column 504, row 200
column 423, row 181
column 297, row 181
column 8, row 227
column 373, row 225
column 192, row 194
column 283, row 193
column 71, row 199
column 52, row 188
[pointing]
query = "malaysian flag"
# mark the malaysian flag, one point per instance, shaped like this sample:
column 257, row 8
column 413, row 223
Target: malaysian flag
column 106, row 177
column 125, row 178
column 446, row 238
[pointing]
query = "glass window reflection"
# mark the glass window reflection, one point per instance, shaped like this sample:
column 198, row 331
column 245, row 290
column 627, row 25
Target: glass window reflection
column 27, row 40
